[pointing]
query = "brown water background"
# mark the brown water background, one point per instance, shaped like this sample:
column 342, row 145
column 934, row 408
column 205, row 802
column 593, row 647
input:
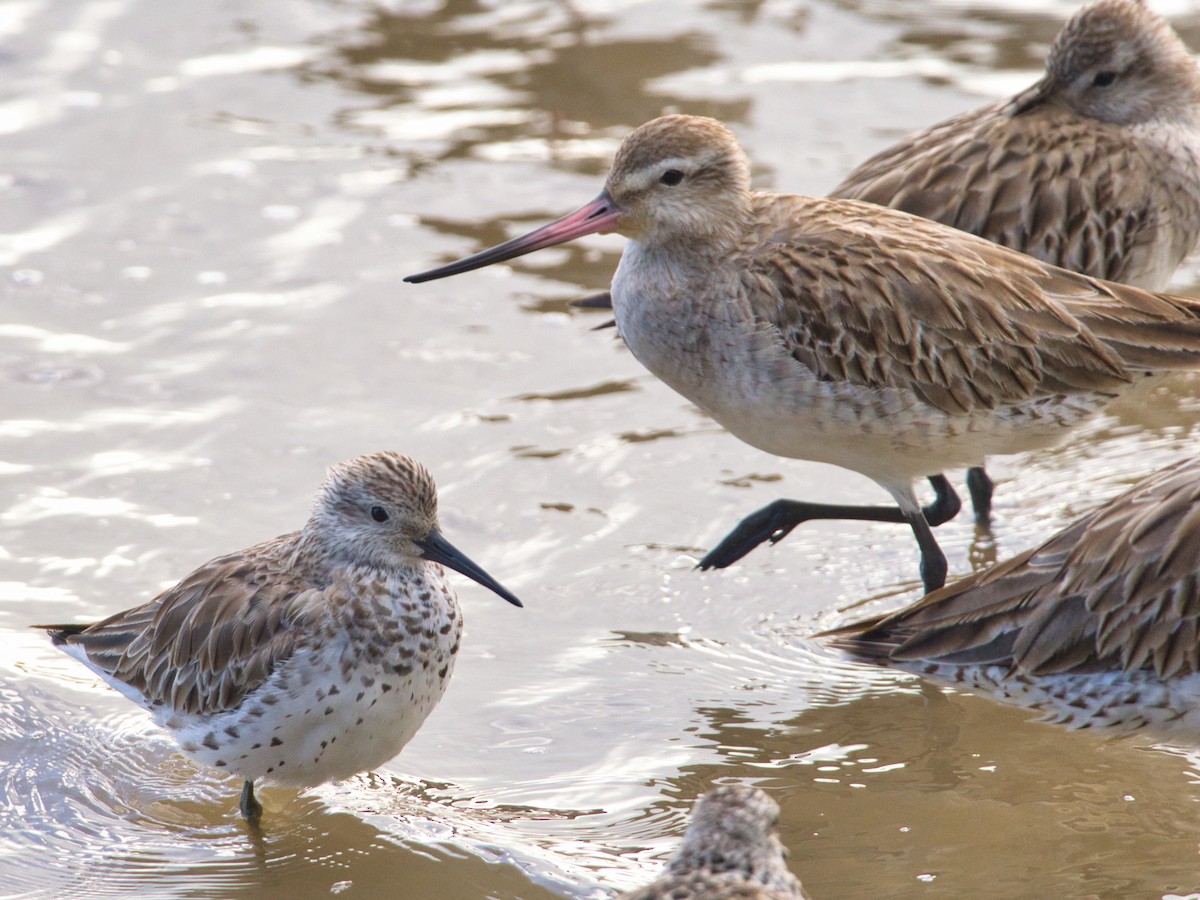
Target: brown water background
column 206, row 211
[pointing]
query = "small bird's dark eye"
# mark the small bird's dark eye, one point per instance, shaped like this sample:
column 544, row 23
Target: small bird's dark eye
column 671, row 177
column 1104, row 79
column 379, row 514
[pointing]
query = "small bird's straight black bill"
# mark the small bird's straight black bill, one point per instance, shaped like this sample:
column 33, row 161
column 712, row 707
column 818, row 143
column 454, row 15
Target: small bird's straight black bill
column 599, row 216
column 439, row 550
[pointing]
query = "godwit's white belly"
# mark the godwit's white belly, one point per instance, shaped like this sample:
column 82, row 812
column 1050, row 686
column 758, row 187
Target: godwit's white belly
column 744, row 378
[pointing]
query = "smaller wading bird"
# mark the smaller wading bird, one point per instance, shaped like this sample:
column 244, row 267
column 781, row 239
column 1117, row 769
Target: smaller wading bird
column 846, row 333
column 731, row 852
column 307, row 658
column 1095, row 168
column 1097, row 627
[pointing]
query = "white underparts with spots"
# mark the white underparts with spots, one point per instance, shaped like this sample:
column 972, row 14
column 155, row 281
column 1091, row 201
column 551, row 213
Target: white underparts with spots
column 345, row 705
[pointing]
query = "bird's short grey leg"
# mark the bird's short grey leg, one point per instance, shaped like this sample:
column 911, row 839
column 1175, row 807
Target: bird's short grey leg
column 251, row 809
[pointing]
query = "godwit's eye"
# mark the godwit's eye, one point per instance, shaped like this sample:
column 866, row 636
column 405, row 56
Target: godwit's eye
column 379, row 514
column 671, row 177
column 1104, row 79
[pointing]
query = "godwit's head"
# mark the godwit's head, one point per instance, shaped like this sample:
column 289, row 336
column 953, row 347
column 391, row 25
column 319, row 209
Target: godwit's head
column 1117, row 61
column 679, row 178
column 675, row 180
column 380, row 511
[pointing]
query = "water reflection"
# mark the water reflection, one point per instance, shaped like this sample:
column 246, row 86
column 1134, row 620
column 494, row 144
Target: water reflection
column 915, row 780
column 544, row 74
column 76, row 791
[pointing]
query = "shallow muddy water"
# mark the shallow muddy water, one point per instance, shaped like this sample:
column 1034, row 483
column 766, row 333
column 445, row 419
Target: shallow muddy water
column 205, row 217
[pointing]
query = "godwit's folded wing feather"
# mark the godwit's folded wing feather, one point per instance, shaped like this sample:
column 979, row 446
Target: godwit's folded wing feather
column 1072, row 192
column 887, row 300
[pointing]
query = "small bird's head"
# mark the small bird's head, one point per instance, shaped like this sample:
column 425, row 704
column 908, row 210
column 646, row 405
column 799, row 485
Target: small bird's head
column 380, row 510
column 1119, row 62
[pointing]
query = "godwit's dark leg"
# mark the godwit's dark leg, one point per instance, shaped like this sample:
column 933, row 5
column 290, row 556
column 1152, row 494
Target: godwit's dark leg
column 980, row 486
column 933, row 560
column 775, row 521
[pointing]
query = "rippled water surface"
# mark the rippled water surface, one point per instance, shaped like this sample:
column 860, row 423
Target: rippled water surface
column 205, row 216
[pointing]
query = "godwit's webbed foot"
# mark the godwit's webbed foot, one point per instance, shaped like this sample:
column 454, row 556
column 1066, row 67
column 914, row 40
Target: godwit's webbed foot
column 251, row 809
column 980, row 486
column 771, row 523
column 945, row 505
column 775, row 521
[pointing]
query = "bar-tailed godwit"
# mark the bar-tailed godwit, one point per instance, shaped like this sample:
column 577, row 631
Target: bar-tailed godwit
column 847, row 333
column 1095, row 168
column 307, row 658
column 1097, row 627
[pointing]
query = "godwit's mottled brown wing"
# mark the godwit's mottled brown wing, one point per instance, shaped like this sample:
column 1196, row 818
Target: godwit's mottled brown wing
column 1071, row 191
column 881, row 298
column 203, row 645
column 1118, row 590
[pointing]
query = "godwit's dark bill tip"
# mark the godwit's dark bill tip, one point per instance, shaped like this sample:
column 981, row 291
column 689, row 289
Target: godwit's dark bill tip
column 431, row 275
column 501, row 253
column 599, row 216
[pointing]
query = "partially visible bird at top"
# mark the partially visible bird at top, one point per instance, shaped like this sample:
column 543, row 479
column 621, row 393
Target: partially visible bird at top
column 307, row 658
column 1095, row 168
column 844, row 332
